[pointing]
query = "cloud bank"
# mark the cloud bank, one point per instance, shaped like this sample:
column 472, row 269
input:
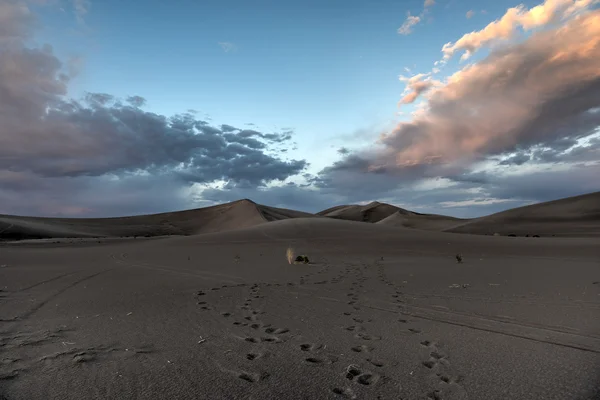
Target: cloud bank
column 94, row 144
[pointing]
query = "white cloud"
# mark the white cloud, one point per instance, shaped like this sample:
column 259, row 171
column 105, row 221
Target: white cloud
column 227, row 46
column 82, row 7
column 411, row 20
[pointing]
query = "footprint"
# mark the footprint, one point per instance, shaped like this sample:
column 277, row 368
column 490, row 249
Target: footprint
column 253, row 356
column 226, row 314
column 367, row 379
column 413, row 330
column 362, row 349
column 376, row 363
column 429, row 364
column 353, row 328
column 310, row 347
column 277, row 331
column 328, row 359
column 365, row 336
column 270, row 339
column 314, row 360
column 253, row 377
column 352, row 371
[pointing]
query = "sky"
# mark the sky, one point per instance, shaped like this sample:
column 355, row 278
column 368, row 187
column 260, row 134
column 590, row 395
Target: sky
column 462, row 108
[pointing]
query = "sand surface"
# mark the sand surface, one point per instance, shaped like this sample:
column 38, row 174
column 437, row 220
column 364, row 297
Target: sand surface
column 382, row 312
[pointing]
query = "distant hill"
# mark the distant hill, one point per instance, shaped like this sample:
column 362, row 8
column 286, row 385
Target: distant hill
column 572, row 216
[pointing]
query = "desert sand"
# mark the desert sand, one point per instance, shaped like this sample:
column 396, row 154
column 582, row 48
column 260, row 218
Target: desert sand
column 203, row 304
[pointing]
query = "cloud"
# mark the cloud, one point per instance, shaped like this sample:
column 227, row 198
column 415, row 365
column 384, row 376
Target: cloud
column 82, row 7
column 509, row 109
column 550, row 11
column 470, row 14
column 90, row 143
column 512, row 98
column 227, row 46
column 412, row 20
column 406, row 28
column 417, row 85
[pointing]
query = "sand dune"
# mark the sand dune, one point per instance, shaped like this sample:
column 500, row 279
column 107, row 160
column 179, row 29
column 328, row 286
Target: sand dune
column 372, row 212
column 429, row 222
column 235, row 215
column 573, row 217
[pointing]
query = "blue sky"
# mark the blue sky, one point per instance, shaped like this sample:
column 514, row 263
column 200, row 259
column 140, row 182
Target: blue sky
column 472, row 136
column 326, row 69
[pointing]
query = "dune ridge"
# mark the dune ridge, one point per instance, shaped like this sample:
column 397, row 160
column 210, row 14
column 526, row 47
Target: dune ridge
column 577, row 216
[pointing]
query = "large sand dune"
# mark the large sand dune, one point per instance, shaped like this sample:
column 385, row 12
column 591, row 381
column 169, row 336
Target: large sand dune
column 573, row 216
column 235, row 215
column 372, row 212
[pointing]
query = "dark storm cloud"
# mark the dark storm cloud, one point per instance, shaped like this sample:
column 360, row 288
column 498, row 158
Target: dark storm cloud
column 44, row 136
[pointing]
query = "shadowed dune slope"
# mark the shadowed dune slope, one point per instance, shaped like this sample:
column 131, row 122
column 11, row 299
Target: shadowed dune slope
column 572, row 216
column 372, row 212
column 429, row 222
column 234, row 215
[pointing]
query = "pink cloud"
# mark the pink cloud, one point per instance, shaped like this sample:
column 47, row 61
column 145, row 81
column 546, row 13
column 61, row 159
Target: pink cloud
column 538, row 91
column 516, row 17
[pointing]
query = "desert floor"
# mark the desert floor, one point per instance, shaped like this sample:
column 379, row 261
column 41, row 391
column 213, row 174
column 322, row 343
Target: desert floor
column 380, row 313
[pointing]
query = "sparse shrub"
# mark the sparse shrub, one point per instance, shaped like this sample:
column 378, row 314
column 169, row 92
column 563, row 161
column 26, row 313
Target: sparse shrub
column 459, row 258
column 512, row 235
column 237, row 258
column 289, row 254
column 302, row 259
